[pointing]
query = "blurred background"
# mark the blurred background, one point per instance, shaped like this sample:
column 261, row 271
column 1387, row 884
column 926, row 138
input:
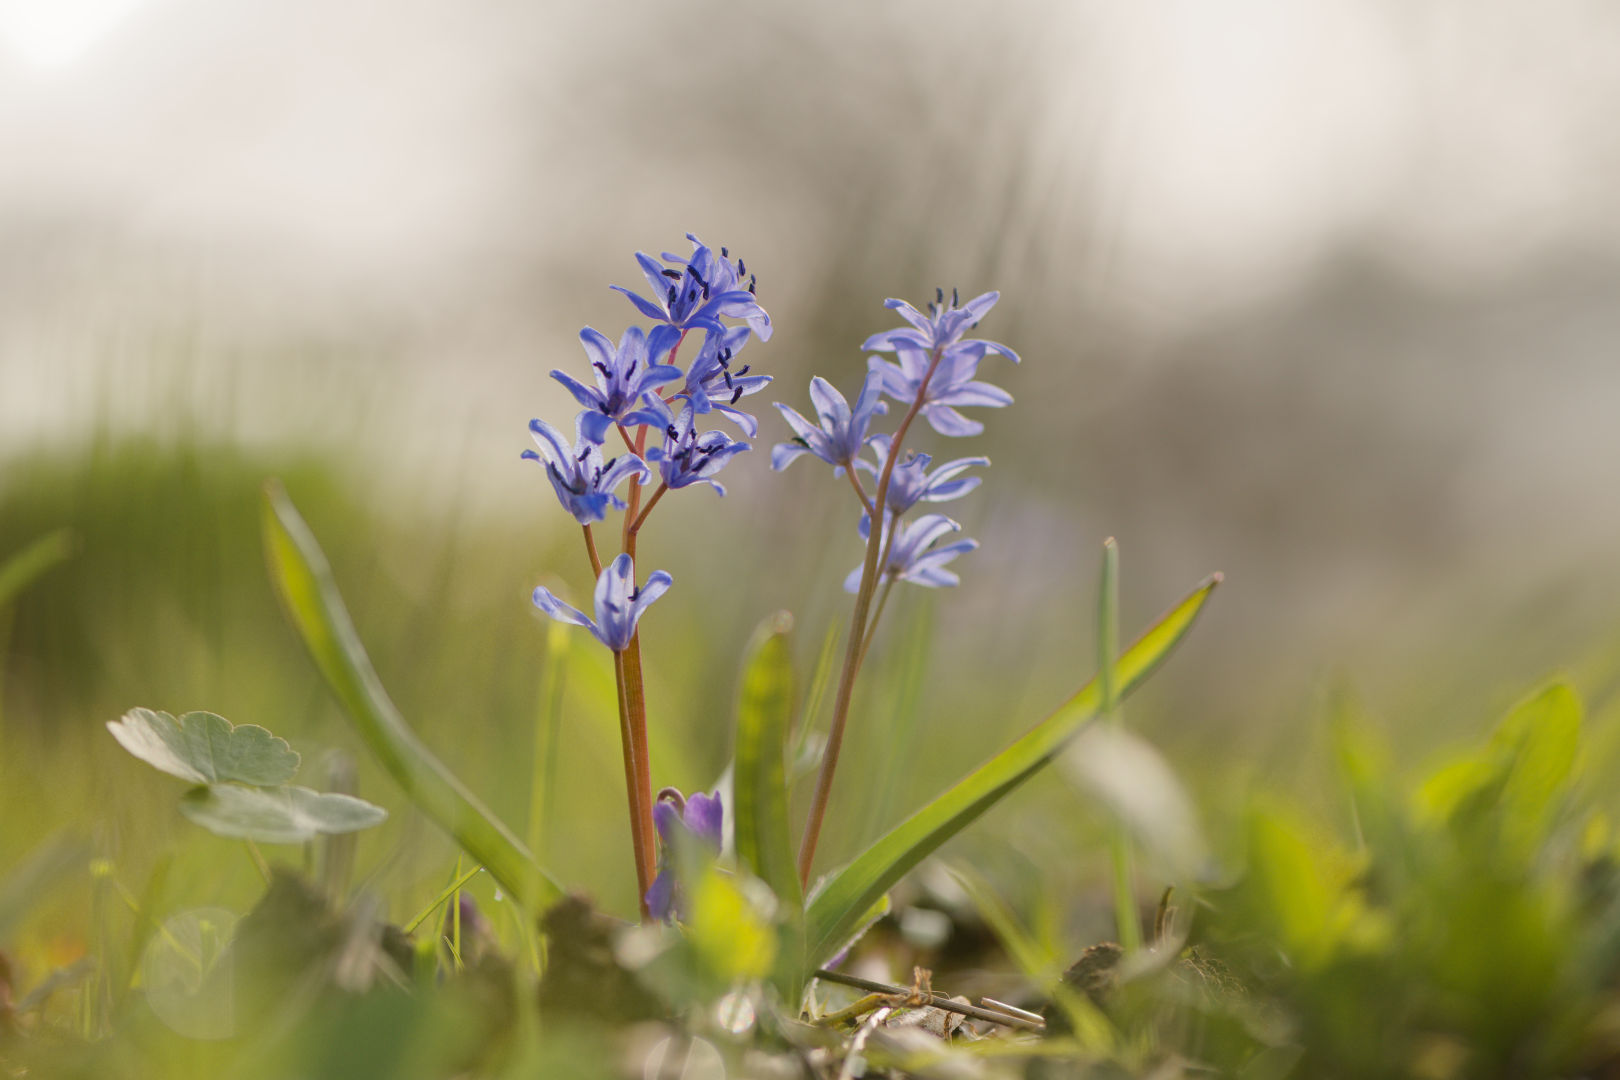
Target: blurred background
column 1322, row 296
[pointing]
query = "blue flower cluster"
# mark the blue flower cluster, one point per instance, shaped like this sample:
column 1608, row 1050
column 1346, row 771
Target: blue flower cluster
column 933, row 374
column 638, row 389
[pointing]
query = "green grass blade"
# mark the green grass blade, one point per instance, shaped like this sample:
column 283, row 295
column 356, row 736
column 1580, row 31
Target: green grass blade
column 1126, row 918
column 764, row 713
column 303, row 579
column 19, row 571
column 853, row 889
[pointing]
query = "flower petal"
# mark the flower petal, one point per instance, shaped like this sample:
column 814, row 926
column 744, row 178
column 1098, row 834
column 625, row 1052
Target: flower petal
column 650, row 310
column 547, row 601
column 947, row 421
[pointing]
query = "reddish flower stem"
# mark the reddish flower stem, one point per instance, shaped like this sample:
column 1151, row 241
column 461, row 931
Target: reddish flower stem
column 856, row 650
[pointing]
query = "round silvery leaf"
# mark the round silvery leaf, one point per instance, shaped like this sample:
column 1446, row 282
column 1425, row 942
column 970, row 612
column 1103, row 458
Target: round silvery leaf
column 288, row 815
column 206, row 749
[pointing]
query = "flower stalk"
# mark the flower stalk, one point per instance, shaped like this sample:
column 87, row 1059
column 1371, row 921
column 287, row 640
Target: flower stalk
column 876, row 542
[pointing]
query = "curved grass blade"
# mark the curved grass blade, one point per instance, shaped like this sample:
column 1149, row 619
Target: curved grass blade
column 19, row 571
column 849, row 892
column 303, row 579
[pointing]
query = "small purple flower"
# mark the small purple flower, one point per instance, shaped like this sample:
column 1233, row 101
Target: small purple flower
column 910, row 482
column 680, row 820
column 912, row 556
column 619, row 604
column 941, row 328
column 584, row 483
column 713, row 385
column 697, row 292
column 623, row 374
column 688, row 456
column 842, row 433
column 952, row 384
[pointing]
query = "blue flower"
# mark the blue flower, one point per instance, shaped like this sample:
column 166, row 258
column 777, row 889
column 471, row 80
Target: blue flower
column 583, row 481
column 697, row 292
column 912, row 557
column 700, row 818
column 842, row 433
column 688, row 456
column 941, row 328
column 910, row 482
column 713, row 385
column 952, row 384
column 623, row 374
column 619, row 604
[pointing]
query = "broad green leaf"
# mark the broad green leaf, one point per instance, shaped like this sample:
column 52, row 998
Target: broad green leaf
column 1511, row 784
column 733, row 938
column 287, row 815
column 1540, row 739
column 836, row 908
column 303, row 578
column 206, row 749
column 764, row 712
column 19, row 571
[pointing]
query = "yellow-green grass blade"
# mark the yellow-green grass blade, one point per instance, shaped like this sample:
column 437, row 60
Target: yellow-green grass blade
column 19, row 571
column 303, row 578
column 852, row 890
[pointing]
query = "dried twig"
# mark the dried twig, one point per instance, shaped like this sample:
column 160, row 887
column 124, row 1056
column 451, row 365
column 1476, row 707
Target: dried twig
column 917, row 995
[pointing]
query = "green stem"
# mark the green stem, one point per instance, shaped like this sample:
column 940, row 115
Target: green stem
column 1126, row 917
column 857, row 635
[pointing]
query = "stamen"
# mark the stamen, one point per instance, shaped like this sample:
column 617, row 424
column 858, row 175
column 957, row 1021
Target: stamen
column 669, row 297
column 939, row 295
column 954, row 301
column 724, row 254
column 672, row 273
column 736, row 395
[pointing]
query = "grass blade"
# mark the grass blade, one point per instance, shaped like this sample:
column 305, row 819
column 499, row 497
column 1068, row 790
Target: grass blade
column 1126, row 918
column 19, row 571
column 852, row 890
column 303, row 579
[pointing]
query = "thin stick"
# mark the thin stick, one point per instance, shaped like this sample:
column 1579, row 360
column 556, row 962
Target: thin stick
column 938, row 1001
column 857, row 635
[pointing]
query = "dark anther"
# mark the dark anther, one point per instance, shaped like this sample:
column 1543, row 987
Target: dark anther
column 697, row 277
column 750, row 283
column 635, row 594
column 743, row 370
column 599, row 366
column 672, row 273
column 584, row 451
column 741, row 269
column 671, row 432
column 605, row 410
column 608, row 465
column 669, row 297
column 939, row 295
column 954, row 301
column 736, row 395
column 727, row 376
column 725, row 357
column 631, row 370
column 724, row 254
